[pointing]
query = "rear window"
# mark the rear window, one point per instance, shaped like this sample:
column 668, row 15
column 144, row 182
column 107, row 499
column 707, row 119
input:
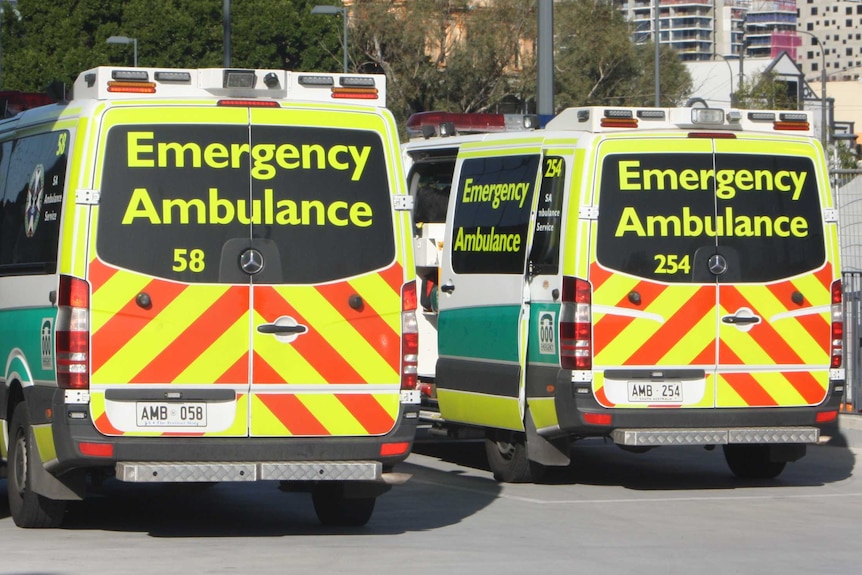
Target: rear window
column 182, row 202
column 662, row 216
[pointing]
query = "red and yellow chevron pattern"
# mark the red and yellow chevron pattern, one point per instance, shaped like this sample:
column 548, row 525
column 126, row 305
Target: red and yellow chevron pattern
column 781, row 361
column 339, row 378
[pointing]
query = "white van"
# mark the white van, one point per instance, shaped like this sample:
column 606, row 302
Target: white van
column 654, row 276
column 205, row 276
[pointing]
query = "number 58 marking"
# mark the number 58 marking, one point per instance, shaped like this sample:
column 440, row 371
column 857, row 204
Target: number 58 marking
column 672, row 263
column 188, row 259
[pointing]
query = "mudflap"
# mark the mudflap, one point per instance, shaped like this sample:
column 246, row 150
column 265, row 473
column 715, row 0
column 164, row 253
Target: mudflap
column 549, row 452
column 71, row 486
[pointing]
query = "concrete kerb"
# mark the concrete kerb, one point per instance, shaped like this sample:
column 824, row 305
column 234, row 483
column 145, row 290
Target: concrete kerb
column 849, row 432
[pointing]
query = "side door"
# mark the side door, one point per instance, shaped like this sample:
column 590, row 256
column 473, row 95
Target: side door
column 654, row 299
column 545, row 286
column 326, row 274
column 773, row 274
column 484, row 304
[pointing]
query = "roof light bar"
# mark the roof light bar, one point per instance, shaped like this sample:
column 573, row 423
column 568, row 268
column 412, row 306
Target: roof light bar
column 761, row 116
column 652, row 115
column 173, row 77
column 307, row 80
column 130, row 75
column 356, row 82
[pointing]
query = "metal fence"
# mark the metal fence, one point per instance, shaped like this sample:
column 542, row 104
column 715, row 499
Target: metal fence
column 847, row 187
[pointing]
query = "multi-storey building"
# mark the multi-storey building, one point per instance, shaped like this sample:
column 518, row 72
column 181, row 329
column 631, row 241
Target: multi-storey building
column 838, row 25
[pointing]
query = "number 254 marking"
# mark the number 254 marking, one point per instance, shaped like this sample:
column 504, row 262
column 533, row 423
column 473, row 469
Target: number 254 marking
column 186, row 259
column 672, row 263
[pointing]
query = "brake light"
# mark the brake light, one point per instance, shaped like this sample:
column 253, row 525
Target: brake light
column 72, row 333
column 576, row 340
column 409, row 337
column 837, row 346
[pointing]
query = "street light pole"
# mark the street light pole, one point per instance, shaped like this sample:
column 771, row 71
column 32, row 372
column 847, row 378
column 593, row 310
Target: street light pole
column 326, row 9
column 824, row 133
column 730, row 69
column 657, row 39
column 125, row 40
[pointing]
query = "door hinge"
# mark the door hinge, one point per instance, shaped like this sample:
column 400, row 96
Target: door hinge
column 87, row 197
column 402, row 203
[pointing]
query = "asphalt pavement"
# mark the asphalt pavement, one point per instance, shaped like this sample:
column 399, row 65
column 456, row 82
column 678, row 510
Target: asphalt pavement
column 849, row 433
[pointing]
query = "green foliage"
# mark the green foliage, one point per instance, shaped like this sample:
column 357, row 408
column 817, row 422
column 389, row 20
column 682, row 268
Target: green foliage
column 765, row 92
column 457, row 55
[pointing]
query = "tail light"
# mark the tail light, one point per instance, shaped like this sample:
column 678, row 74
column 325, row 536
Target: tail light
column 409, row 337
column 576, row 341
column 837, row 346
column 72, row 334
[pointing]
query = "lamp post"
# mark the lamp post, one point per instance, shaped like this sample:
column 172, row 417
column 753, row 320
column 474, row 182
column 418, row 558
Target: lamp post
column 824, row 133
column 657, row 39
column 125, row 40
column 326, row 9
column 729, row 69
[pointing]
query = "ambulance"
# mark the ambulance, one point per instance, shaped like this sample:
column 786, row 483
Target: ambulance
column 206, row 276
column 652, row 276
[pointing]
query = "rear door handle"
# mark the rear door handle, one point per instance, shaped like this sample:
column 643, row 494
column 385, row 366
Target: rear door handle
column 447, row 288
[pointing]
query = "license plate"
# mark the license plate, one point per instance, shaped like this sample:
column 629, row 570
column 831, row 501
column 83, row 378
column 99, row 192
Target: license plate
column 171, row 414
column 655, row 392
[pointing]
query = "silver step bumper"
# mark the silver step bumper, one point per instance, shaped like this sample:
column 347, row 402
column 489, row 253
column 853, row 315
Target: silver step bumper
column 179, row 472
column 659, row 437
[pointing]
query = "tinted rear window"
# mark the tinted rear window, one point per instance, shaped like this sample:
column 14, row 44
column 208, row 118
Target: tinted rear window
column 184, row 201
column 662, row 216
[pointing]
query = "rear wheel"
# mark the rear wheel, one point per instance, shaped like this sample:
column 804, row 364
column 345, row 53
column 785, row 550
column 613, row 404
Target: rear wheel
column 333, row 508
column 507, row 458
column 752, row 461
column 28, row 509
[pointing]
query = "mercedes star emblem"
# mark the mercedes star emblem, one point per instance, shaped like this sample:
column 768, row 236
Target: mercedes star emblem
column 251, row 261
column 717, row 264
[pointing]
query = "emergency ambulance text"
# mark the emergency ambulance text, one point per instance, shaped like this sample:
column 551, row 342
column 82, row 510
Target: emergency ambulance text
column 218, row 210
column 145, row 152
column 727, row 182
column 495, row 193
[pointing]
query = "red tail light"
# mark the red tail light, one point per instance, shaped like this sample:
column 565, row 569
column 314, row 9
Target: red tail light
column 409, row 337
column 576, row 339
column 72, row 333
column 837, row 346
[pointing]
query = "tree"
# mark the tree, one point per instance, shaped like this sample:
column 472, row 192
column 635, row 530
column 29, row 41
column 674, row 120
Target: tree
column 596, row 62
column 765, row 92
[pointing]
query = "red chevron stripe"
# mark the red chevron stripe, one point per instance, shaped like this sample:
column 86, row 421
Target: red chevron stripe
column 197, row 338
column 610, row 326
column 99, row 273
column 130, row 320
column 598, row 276
column 675, row 328
column 394, row 276
column 816, row 326
column 103, row 424
column 749, row 389
column 767, row 338
column 806, row 384
column 368, row 412
column 311, row 345
column 366, row 321
column 293, row 414
column 237, row 373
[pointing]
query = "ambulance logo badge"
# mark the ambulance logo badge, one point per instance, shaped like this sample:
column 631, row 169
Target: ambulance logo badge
column 35, row 196
column 547, row 339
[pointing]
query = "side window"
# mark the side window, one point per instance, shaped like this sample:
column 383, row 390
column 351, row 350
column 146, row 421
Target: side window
column 492, row 214
column 545, row 253
column 35, row 171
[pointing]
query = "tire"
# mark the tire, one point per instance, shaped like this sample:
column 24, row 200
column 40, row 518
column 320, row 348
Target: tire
column 334, row 509
column 28, row 509
column 752, row 461
column 507, row 458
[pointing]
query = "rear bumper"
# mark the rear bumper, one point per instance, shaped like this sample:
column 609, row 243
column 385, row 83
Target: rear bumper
column 686, row 426
column 184, row 458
